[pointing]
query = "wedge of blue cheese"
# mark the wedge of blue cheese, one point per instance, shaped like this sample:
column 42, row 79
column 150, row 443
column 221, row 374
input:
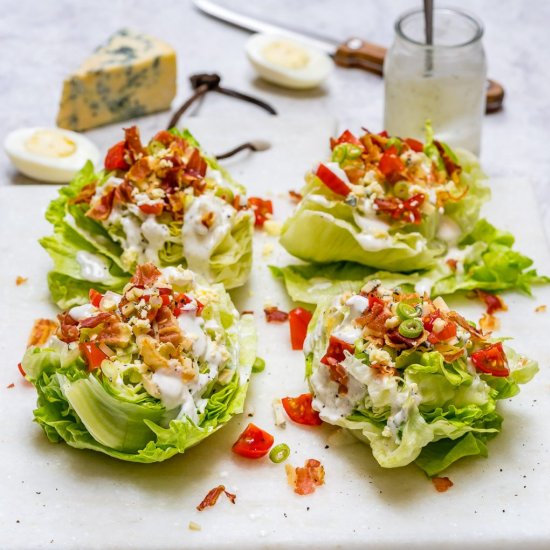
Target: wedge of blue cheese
column 132, row 75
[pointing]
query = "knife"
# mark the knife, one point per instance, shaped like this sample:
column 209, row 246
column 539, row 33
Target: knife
column 354, row 52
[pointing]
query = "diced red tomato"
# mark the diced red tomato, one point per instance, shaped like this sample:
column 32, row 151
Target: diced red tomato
column 181, row 300
column 263, row 210
column 275, row 315
column 95, row 297
column 390, row 164
column 299, row 410
column 345, row 137
column 299, row 319
column 115, row 157
column 383, row 133
column 374, row 300
column 332, row 181
column 253, row 442
column 155, row 209
column 491, row 360
column 94, row 356
column 447, row 332
column 415, row 145
column 335, row 351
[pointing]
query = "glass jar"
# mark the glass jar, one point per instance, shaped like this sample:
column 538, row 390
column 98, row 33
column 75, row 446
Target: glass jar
column 444, row 82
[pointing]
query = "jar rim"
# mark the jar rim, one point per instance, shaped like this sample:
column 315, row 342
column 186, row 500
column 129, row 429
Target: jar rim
column 478, row 26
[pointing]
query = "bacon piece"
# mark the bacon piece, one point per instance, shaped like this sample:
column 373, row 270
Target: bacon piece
column 384, row 369
column 275, row 315
column 10, row 386
column 212, row 497
column 295, row 196
column 337, row 374
column 492, row 301
column 374, row 319
column 115, row 332
column 460, row 321
column 442, row 484
column 41, row 332
column 449, row 352
column 123, row 193
column 396, row 340
column 450, row 166
column 19, row 280
column 85, row 194
column 305, row 480
column 452, row 263
column 175, row 203
column 489, row 323
column 168, row 327
column 67, row 331
column 133, row 143
column 145, row 275
column 197, row 163
column 541, row 309
column 140, row 171
column 102, row 206
column 167, row 139
column 92, row 322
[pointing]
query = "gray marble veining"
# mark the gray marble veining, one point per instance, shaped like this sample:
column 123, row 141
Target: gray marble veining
column 42, row 40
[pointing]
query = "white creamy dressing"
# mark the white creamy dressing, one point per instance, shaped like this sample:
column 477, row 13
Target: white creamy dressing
column 156, row 234
column 192, row 327
column 82, row 312
column 93, row 268
column 365, row 217
column 199, row 241
column 177, row 277
column 371, row 243
column 319, row 199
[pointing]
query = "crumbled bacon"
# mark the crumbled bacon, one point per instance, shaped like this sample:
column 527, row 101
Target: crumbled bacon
column 10, row 386
column 442, row 484
column 492, row 301
column 41, row 332
column 295, row 196
column 460, row 321
column 84, row 195
column 374, row 319
column 451, row 167
column 123, row 193
column 139, row 171
column 212, row 497
column 133, row 142
column 338, row 374
column 67, row 331
column 114, row 333
column 541, row 309
column 20, row 280
column 145, row 275
column 452, row 263
column 384, row 369
column 450, row 353
column 207, row 219
column 274, row 315
column 489, row 323
column 95, row 320
column 305, row 480
column 396, row 340
column 197, row 163
column 102, row 206
column 168, row 327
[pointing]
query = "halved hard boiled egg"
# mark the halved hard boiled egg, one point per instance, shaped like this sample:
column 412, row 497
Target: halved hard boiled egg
column 49, row 154
column 288, row 62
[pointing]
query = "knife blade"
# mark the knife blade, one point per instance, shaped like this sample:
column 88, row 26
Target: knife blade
column 354, row 52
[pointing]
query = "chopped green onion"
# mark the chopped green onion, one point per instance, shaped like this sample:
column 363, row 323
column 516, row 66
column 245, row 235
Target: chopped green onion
column 279, row 453
column 394, row 142
column 339, row 153
column 406, row 311
column 411, row 328
column 401, row 190
column 354, row 151
column 259, row 365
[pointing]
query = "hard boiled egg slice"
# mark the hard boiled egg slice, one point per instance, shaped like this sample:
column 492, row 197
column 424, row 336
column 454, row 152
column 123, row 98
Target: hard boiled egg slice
column 49, row 154
column 287, row 62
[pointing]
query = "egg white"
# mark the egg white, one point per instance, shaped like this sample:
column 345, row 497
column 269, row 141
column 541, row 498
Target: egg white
column 312, row 74
column 46, row 168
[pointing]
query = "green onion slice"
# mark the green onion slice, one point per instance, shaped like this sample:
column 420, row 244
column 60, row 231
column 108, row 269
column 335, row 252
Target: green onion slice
column 339, row 154
column 279, row 453
column 401, row 190
column 406, row 311
column 411, row 328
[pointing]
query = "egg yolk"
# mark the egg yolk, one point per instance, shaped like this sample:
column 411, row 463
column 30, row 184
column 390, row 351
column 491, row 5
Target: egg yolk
column 49, row 143
column 285, row 54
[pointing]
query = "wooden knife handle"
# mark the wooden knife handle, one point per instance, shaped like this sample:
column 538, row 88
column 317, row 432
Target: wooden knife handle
column 359, row 54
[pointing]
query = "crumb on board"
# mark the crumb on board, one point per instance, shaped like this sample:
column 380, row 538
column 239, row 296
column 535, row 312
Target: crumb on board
column 193, row 526
column 442, row 484
column 267, row 249
column 10, row 386
column 273, row 227
column 541, row 309
column 19, row 280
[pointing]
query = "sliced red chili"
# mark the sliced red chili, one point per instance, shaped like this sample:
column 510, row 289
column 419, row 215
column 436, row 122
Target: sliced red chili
column 299, row 319
column 407, row 211
column 263, row 210
column 332, row 181
column 300, row 410
column 115, row 157
column 253, row 442
column 491, row 360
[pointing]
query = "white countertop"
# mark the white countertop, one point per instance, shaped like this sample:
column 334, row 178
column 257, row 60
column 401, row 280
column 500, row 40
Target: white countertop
column 42, row 42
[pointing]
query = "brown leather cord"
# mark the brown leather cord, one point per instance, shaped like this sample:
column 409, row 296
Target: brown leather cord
column 203, row 83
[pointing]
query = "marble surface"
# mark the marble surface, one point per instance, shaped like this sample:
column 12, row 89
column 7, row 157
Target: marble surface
column 41, row 41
